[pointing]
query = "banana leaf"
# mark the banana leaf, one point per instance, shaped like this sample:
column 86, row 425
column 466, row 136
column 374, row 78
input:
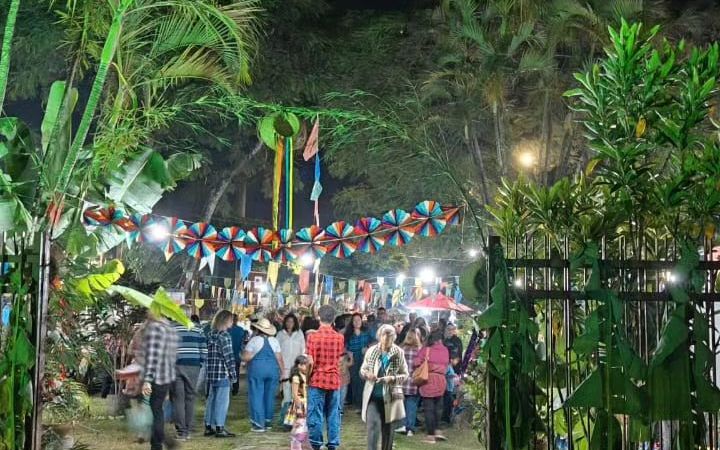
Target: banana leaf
column 160, row 304
column 100, row 282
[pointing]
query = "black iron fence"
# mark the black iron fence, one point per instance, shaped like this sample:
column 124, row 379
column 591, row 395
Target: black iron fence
column 640, row 272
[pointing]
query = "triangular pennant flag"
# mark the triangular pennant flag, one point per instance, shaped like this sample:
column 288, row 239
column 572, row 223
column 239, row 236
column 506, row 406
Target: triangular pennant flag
column 227, row 282
column 203, row 263
column 317, row 187
column 367, row 292
column 245, row 266
column 329, row 284
column 351, row 288
column 304, row 281
column 213, row 292
column 199, row 303
column 311, row 147
column 211, row 263
column 281, row 300
column 381, row 281
column 396, row 297
column 272, row 275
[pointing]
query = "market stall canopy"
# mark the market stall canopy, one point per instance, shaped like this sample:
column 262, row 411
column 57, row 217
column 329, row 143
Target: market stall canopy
column 439, row 302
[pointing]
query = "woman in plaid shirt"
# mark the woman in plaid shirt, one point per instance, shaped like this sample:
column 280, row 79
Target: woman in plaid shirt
column 411, row 346
column 221, row 374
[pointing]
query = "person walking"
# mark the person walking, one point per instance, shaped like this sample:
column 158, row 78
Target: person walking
column 325, row 348
column 384, row 370
column 411, row 346
column 238, row 335
column 265, row 365
column 455, row 347
column 221, row 374
column 158, row 354
column 292, row 345
column 357, row 341
column 438, row 359
column 191, row 355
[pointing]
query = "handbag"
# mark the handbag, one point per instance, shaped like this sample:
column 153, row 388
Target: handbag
column 290, row 416
column 421, row 374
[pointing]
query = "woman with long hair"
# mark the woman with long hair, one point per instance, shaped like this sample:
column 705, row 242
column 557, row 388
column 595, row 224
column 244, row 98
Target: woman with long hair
column 384, row 370
column 432, row 392
column 411, row 346
column 265, row 366
column 357, row 341
column 292, row 345
column 220, row 374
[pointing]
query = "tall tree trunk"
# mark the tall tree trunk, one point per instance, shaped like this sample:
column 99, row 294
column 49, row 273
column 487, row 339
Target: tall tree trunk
column 499, row 136
column 106, row 58
column 6, row 46
column 477, row 152
column 214, row 199
column 546, row 135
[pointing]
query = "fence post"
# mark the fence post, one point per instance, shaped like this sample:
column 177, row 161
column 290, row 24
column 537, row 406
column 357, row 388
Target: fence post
column 41, row 274
column 492, row 432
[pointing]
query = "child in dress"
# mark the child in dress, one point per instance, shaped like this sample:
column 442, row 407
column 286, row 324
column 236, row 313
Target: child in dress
column 298, row 381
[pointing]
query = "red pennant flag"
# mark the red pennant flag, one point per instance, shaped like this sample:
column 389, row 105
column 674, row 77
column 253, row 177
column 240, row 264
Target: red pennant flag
column 311, row 147
column 367, row 292
column 304, row 281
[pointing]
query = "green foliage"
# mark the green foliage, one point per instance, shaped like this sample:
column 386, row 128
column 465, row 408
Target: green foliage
column 17, row 357
column 161, row 304
column 99, row 282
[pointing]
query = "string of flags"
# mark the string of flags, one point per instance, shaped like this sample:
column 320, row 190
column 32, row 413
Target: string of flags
column 340, row 239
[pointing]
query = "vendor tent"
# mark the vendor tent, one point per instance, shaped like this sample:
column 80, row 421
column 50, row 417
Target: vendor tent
column 439, row 302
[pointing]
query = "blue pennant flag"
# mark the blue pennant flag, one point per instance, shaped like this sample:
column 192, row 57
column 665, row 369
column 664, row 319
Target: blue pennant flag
column 317, row 187
column 329, row 284
column 245, row 266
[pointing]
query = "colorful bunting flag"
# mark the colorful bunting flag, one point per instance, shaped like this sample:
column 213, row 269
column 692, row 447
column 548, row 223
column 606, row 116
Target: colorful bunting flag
column 312, row 147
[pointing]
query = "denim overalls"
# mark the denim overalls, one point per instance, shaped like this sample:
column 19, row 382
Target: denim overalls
column 263, row 380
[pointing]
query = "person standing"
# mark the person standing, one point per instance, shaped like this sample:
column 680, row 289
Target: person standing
column 325, row 348
column 238, row 335
column 265, row 365
column 191, row 355
column 221, row 375
column 357, row 341
column 410, row 346
column 298, row 382
column 438, row 358
column 455, row 348
column 384, row 370
column 158, row 353
column 292, row 345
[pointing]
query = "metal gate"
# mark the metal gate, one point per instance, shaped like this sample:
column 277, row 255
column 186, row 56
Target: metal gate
column 640, row 273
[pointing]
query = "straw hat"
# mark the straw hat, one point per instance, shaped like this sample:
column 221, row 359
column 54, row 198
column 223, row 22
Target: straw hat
column 265, row 326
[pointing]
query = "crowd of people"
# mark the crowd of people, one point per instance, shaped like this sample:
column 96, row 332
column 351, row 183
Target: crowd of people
column 325, row 365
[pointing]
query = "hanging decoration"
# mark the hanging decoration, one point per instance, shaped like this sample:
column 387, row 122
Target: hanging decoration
column 202, row 241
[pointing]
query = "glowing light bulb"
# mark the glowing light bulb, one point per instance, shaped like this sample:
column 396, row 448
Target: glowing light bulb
column 427, row 275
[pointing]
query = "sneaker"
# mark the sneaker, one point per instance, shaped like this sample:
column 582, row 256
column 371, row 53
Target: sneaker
column 409, row 433
column 429, row 440
column 401, row 430
column 223, row 433
column 440, row 437
column 255, row 429
column 209, row 431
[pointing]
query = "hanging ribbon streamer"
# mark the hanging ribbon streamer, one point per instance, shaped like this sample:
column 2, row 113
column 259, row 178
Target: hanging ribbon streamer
column 277, row 178
column 288, row 183
column 317, row 189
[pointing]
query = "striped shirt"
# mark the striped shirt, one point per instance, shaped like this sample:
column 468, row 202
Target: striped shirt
column 192, row 346
column 410, row 388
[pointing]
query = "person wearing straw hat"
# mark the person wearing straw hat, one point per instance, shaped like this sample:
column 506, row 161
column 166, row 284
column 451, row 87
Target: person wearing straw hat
column 265, row 366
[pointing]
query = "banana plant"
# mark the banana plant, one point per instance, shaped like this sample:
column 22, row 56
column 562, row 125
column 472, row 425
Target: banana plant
column 6, row 45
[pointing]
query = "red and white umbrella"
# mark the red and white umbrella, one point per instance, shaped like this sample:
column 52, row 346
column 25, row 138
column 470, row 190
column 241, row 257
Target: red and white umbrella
column 439, row 302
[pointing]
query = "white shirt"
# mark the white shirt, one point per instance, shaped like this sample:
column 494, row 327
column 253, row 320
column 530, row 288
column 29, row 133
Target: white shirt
column 256, row 344
column 292, row 346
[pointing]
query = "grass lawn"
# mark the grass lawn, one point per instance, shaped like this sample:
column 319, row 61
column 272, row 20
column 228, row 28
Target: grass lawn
column 102, row 433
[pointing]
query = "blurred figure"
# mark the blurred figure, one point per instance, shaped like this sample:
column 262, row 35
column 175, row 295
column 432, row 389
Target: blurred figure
column 357, row 341
column 238, row 336
column 455, row 348
column 158, row 353
column 411, row 346
column 191, row 355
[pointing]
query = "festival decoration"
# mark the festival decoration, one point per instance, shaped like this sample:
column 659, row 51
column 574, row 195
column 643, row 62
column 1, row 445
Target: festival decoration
column 401, row 225
column 340, row 239
column 340, row 242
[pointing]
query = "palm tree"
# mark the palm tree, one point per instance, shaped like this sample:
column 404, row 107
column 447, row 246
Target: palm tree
column 6, row 44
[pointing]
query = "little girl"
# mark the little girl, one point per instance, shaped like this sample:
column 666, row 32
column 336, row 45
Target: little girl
column 298, row 374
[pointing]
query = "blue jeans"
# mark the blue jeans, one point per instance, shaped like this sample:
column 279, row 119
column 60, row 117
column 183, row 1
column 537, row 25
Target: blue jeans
column 262, row 389
column 217, row 403
column 324, row 405
column 411, row 408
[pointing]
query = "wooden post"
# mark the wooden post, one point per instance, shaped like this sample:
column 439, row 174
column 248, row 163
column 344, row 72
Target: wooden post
column 39, row 317
column 492, row 432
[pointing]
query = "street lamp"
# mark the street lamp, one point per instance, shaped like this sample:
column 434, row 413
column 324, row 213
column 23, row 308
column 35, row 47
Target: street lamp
column 307, row 260
column 427, row 275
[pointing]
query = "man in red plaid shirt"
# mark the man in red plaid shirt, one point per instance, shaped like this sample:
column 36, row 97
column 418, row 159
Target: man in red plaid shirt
column 326, row 346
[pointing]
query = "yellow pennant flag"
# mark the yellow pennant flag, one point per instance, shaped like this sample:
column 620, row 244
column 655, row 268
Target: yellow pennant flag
column 273, row 270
